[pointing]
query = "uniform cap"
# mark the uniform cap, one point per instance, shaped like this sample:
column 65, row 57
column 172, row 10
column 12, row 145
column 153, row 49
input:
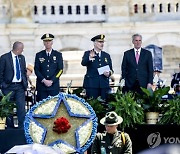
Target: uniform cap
column 47, row 37
column 98, row 38
column 111, row 119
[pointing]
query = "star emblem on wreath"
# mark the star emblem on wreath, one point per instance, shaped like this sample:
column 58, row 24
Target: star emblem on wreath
column 64, row 121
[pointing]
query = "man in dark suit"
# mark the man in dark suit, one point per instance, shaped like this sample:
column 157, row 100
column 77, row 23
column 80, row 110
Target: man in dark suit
column 13, row 78
column 137, row 66
column 96, row 82
column 48, row 68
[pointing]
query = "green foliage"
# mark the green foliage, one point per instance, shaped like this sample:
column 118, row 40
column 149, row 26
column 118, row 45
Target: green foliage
column 171, row 114
column 98, row 107
column 151, row 100
column 126, row 107
column 6, row 106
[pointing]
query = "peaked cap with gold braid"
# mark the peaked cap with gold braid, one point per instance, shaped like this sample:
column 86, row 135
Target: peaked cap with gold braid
column 98, row 38
column 47, row 37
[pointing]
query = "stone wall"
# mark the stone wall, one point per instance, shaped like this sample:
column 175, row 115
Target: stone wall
column 74, row 39
column 119, row 22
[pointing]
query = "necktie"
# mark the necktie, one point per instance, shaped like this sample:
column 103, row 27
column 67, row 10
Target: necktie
column 17, row 68
column 137, row 57
column 98, row 55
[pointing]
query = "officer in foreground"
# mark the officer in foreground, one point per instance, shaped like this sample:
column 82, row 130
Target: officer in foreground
column 112, row 141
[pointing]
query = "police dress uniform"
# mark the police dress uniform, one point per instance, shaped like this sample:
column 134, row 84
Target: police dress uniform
column 95, row 84
column 50, row 68
column 112, row 143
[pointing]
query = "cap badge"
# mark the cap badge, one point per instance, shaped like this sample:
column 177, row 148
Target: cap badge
column 47, row 35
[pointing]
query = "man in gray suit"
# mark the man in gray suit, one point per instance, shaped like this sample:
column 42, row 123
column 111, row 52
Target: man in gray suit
column 137, row 66
column 13, row 78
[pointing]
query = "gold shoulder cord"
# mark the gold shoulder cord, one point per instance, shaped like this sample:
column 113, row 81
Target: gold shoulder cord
column 123, row 138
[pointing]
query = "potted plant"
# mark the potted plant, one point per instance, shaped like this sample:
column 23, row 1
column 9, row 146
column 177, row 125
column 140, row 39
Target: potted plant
column 171, row 114
column 151, row 102
column 6, row 108
column 128, row 108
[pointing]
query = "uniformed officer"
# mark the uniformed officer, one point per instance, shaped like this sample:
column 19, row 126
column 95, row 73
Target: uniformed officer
column 175, row 82
column 157, row 81
column 48, row 68
column 112, row 141
column 99, row 69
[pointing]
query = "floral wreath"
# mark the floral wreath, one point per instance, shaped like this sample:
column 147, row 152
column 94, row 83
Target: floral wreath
column 64, row 121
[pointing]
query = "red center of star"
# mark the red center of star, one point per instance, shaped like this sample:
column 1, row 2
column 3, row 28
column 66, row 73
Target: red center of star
column 61, row 125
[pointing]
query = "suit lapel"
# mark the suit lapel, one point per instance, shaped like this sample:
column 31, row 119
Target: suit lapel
column 44, row 54
column 102, row 55
column 104, row 58
column 11, row 60
column 52, row 53
column 141, row 55
column 132, row 55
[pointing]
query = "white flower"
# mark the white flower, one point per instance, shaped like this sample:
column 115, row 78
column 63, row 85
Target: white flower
column 36, row 132
column 84, row 133
column 46, row 108
column 77, row 107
